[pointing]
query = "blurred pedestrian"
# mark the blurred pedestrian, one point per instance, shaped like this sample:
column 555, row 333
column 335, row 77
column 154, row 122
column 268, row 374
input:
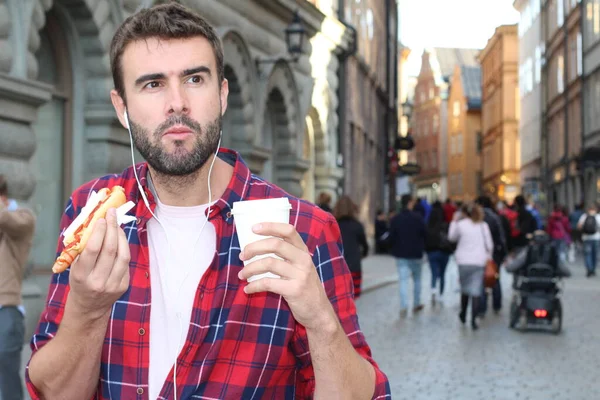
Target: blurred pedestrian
column 559, row 230
column 589, row 224
column 438, row 248
column 495, row 224
column 526, row 223
column 407, row 244
column 381, row 232
column 353, row 239
column 324, row 201
column 574, row 218
column 474, row 247
column 449, row 210
column 17, row 226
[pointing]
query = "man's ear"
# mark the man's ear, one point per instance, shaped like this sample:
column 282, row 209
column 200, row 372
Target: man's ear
column 224, row 95
column 119, row 105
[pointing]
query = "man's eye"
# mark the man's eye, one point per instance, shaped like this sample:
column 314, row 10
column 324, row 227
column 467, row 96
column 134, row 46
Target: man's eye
column 152, row 85
column 196, row 79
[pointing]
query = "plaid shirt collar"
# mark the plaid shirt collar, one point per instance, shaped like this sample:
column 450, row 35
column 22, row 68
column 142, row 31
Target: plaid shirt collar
column 237, row 189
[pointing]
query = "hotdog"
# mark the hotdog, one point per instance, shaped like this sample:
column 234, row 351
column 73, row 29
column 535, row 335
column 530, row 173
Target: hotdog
column 77, row 234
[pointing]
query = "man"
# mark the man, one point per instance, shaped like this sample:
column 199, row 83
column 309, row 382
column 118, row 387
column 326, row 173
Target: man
column 500, row 251
column 407, row 244
column 17, row 226
column 574, row 218
column 589, row 225
column 145, row 315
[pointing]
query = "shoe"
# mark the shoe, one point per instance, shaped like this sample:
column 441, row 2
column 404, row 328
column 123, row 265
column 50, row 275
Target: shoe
column 474, row 325
column 418, row 308
column 403, row 313
column 463, row 317
column 588, row 274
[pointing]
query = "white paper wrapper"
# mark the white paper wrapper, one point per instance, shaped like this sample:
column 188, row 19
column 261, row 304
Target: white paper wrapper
column 122, row 217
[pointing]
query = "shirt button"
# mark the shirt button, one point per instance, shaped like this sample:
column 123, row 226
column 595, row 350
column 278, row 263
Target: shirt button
column 228, row 215
column 142, row 331
column 138, row 221
column 140, row 391
column 201, row 296
column 146, row 274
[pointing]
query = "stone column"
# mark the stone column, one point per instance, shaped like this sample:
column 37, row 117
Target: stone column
column 19, row 101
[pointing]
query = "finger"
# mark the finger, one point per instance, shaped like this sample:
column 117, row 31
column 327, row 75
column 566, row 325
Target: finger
column 84, row 264
column 283, row 249
column 286, row 232
column 278, row 286
column 108, row 253
column 269, row 264
column 119, row 276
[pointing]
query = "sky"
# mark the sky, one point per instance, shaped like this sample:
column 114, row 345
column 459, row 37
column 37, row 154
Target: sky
column 450, row 23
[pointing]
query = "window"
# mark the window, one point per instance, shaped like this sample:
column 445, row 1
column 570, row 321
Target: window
column 456, row 108
column 479, row 142
column 459, row 143
column 452, row 145
column 436, row 123
column 560, row 13
column 579, row 55
column 434, row 155
column 538, row 64
column 560, row 74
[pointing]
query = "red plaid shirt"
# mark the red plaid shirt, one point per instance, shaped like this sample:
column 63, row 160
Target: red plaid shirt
column 238, row 346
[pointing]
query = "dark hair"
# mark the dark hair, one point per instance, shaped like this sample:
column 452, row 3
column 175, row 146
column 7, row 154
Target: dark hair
column 405, row 200
column 344, row 208
column 485, row 202
column 436, row 218
column 520, row 201
column 3, row 186
column 164, row 21
column 324, row 198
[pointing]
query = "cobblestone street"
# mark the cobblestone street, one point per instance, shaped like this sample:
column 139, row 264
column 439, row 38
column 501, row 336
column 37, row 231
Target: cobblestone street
column 432, row 356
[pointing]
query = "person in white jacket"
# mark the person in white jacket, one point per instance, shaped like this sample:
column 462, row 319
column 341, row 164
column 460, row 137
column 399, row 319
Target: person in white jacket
column 474, row 247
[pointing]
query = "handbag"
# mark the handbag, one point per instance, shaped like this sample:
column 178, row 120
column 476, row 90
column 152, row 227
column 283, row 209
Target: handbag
column 490, row 274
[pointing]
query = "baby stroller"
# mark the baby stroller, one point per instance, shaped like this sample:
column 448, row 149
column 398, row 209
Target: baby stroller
column 537, row 276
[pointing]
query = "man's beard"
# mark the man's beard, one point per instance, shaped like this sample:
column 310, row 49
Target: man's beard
column 180, row 162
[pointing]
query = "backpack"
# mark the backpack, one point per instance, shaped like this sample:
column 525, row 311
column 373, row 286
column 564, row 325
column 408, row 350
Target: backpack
column 590, row 225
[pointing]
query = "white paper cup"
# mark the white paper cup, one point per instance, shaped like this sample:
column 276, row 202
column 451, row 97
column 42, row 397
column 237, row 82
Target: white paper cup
column 248, row 213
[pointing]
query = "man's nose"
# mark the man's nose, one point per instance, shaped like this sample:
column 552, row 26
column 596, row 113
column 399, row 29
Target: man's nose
column 178, row 101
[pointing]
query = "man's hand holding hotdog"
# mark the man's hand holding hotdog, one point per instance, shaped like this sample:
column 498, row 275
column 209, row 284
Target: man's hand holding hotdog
column 97, row 279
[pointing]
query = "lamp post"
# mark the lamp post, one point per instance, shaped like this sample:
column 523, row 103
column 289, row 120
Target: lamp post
column 295, row 34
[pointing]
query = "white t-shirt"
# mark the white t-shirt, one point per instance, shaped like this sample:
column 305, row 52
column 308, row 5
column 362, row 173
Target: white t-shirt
column 175, row 274
column 595, row 236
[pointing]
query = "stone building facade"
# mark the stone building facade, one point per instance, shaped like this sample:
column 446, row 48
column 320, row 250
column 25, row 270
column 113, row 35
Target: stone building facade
column 500, row 114
column 562, row 76
column 58, row 128
column 464, row 134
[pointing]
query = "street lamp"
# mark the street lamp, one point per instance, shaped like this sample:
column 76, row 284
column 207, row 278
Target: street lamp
column 294, row 39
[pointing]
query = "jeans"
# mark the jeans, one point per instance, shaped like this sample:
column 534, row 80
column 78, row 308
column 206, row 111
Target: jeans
column 406, row 268
column 12, row 334
column 561, row 248
column 438, row 260
column 590, row 252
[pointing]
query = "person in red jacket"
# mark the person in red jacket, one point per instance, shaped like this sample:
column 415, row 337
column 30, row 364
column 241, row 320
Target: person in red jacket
column 449, row 210
column 559, row 230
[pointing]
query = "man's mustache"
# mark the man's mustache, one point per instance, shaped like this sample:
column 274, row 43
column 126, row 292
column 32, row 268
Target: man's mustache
column 178, row 120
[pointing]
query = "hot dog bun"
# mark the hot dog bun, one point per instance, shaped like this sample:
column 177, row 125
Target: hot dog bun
column 78, row 233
